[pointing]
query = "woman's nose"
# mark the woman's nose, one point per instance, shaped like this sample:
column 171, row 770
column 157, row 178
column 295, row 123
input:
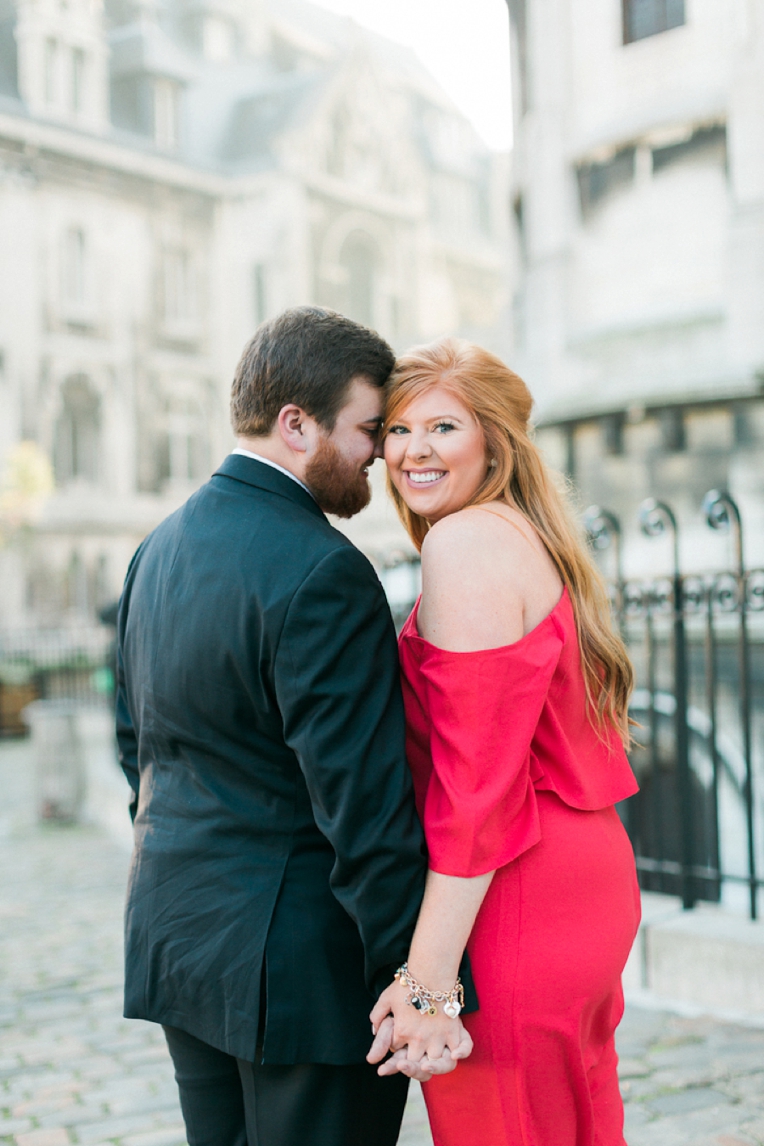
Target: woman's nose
column 418, row 446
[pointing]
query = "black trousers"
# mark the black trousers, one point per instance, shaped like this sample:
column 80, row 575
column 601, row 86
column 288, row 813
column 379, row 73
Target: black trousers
column 229, row 1102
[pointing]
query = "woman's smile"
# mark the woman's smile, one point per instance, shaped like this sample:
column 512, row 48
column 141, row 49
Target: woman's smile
column 424, row 477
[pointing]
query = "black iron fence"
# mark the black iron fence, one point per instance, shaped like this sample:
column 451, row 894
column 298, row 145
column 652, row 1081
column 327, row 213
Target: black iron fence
column 73, row 663
column 697, row 642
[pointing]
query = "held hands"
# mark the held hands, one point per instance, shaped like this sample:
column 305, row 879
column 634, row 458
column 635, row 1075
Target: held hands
column 421, row 1044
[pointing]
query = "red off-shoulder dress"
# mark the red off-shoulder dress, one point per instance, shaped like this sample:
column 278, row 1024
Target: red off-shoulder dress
column 510, row 776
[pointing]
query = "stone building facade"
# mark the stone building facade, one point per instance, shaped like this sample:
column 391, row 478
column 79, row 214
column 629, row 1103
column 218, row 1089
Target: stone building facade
column 639, row 208
column 172, row 172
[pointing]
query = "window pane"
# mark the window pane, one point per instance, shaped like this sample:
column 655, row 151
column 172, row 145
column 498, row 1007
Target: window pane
column 180, row 455
column 674, row 13
column 643, row 18
column 597, row 180
column 51, row 65
column 672, row 430
column 260, row 293
column 78, row 79
column 78, row 595
column 186, row 452
column 179, row 301
column 359, row 261
column 74, row 267
column 708, row 144
column 77, row 432
column 165, row 114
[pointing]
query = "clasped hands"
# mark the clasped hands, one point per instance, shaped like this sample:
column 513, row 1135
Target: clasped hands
column 419, row 1045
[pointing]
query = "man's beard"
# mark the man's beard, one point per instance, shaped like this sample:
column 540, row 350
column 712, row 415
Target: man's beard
column 338, row 486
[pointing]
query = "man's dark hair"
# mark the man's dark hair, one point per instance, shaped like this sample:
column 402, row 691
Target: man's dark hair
column 306, row 356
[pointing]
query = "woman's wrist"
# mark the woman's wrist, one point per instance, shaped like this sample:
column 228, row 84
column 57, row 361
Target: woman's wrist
column 429, row 1000
column 438, row 974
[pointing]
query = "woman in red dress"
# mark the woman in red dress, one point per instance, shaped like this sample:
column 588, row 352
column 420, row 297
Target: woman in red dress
column 516, row 689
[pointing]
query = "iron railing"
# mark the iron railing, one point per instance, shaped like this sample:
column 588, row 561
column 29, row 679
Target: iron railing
column 697, row 642
column 72, row 663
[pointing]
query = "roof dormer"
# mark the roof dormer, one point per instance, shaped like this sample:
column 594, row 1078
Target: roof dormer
column 149, row 73
column 62, row 61
column 220, row 31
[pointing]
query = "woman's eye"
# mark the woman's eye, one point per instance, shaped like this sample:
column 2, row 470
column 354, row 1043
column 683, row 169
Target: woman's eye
column 444, row 427
column 397, row 430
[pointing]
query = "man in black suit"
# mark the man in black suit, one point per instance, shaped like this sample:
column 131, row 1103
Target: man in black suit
column 279, row 864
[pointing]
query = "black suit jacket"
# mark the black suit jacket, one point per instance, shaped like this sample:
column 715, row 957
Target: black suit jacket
column 261, row 728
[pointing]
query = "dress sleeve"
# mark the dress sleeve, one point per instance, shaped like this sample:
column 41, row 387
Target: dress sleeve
column 480, row 804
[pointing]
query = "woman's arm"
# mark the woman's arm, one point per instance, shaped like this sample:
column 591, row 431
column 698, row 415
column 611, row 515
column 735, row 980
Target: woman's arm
column 446, row 918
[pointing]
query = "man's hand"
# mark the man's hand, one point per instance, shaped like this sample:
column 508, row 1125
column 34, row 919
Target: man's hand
column 422, row 1045
column 400, row 1062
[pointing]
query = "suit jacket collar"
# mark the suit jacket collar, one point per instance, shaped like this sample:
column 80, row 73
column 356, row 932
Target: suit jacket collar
column 254, row 473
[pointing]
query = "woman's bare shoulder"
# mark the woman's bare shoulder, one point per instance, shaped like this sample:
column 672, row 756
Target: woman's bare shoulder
column 468, row 542
column 472, row 582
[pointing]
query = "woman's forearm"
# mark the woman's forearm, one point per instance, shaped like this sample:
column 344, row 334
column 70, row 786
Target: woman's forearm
column 445, row 921
column 446, row 918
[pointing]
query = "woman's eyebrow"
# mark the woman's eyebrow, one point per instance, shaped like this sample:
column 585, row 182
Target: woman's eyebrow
column 432, row 418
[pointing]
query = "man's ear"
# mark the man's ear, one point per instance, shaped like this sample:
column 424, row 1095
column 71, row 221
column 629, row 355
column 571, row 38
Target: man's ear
column 291, row 423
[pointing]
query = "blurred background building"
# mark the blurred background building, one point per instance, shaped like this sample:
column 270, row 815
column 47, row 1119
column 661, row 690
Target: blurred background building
column 172, row 172
column 639, row 206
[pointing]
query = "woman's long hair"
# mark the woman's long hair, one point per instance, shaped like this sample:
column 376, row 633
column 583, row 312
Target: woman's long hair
column 501, row 402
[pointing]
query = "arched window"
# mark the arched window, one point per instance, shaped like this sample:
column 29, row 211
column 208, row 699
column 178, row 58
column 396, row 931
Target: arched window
column 78, row 432
column 359, row 260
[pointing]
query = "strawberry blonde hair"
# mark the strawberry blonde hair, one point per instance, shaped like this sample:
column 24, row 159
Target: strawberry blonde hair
column 501, row 403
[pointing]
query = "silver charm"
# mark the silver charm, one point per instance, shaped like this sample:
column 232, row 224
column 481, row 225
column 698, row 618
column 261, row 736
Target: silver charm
column 451, row 1009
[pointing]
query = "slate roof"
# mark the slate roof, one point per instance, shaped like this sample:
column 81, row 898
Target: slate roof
column 234, row 112
column 239, row 108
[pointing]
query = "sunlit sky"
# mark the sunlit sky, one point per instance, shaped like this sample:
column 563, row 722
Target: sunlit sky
column 465, row 46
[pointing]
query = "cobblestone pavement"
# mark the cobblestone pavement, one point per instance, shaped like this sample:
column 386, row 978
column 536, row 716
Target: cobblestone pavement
column 73, row 1071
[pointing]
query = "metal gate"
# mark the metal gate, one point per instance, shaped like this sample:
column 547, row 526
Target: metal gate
column 697, row 642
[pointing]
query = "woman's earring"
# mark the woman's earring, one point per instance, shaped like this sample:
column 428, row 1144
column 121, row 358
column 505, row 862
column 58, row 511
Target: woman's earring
column 493, row 463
